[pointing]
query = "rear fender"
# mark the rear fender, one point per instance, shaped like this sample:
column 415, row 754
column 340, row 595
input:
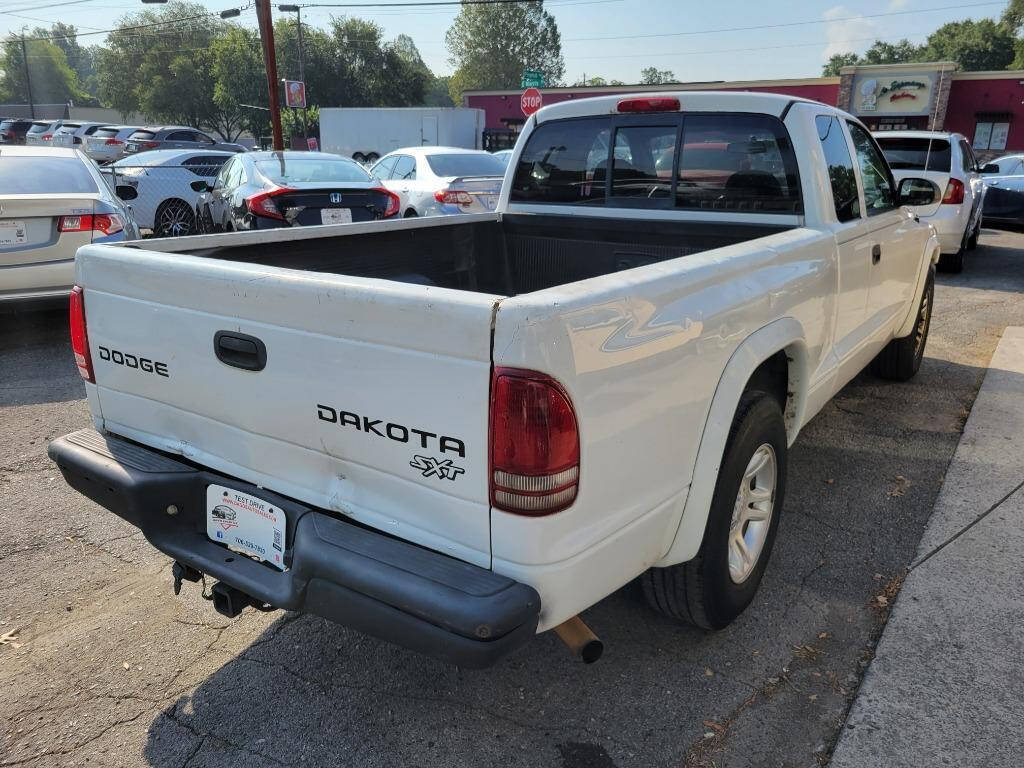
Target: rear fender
column 783, row 334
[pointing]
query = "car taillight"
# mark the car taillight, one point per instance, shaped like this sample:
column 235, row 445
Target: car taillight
column 107, row 223
column 655, row 104
column 535, row 444
column 47, row 136
column 394, row 203
column 79, row 335
column 151, row 144
column 954, row 193
column 453, row 197
column 262, row 203
column 109, row 142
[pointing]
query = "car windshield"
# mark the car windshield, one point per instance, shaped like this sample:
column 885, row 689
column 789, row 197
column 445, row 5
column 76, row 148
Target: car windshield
column 36, row 175
column 292, row 169
column 466, row 164
column 910, row 154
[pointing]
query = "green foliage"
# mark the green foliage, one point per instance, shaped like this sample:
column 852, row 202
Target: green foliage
column 975, row 45
column 882, row 52
column 837, row 62
column 239, row 84
column 655, row 76
column 291, row 122
column 490, row 45
column 52, row 80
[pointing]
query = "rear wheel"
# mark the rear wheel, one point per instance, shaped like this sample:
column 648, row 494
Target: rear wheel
column 715, row 587
column 972, row 241
column 174, row 218
column 901, row 358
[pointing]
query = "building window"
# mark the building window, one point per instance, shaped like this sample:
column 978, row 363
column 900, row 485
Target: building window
column 991, row 135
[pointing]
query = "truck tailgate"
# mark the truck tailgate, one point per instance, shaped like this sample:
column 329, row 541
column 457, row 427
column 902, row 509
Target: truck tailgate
column 372, row 402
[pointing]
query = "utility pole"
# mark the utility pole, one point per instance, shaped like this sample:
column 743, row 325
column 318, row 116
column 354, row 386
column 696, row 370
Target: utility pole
column 28, row 77
column 270, row 62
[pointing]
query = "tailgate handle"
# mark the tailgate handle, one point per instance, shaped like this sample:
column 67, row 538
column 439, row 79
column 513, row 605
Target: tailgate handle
column 239, row 350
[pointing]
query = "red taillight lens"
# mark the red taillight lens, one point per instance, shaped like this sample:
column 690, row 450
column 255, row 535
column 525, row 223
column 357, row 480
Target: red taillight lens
column 453, row 197
column 79, row 335
column 151, row 144
column 47, row 136
column 954, row 193
column 107, row 223
column 657, row 104
column 110, row 142
column 393, row 201
column 535, row 444
column 262, row 203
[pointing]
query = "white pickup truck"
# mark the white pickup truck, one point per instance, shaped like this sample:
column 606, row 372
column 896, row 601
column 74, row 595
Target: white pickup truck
column 454, row 433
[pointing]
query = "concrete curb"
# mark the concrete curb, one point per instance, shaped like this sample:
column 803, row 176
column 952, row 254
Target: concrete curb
column 946, row 686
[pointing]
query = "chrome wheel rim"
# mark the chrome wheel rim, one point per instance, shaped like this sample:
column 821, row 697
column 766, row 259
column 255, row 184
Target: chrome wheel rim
column 176, row 220
column 752, row 514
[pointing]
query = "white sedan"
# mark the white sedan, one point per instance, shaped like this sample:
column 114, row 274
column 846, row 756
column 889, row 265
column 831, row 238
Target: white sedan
column 440, row 181
column 161, row 196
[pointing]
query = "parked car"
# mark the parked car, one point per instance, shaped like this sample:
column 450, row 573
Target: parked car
column 269, row 190
column 948, row 160
column 107, row 142
column 453, row 433
column 440, row 181
column 174, row 137
column 162, row 197
column 73, row 133
column 13, row 130
column 40, row 133
column 52, row 201
column 1004, row 191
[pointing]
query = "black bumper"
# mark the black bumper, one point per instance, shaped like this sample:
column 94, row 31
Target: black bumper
column 408, row 595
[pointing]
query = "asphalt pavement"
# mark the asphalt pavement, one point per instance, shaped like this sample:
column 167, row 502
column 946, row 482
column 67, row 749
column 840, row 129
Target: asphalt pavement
column 101, row 664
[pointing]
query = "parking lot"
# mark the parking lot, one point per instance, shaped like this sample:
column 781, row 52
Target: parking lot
column 101, row 664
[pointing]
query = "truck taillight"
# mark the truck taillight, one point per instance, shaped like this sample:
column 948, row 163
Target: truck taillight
column 535, row 444
column 79, row 335
column 453, row 197
column 262, row 203
column 954, row 193
column 107, row 223
column 393, row 201
column 654, row 104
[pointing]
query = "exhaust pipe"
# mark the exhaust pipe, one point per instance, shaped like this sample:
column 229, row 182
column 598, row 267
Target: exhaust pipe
column 580, row 639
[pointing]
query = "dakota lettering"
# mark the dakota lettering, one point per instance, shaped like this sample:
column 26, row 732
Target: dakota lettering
column 369, row 426
column 391, row 430
column 326, row 413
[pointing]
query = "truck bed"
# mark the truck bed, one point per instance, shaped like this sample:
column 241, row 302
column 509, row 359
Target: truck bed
column 505, row 256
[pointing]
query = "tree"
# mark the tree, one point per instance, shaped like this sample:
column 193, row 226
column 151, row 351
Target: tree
column 490, row 45
column 837, row 62
column 974, row 45
column 438, row 93
column 655, row 76
column 882, row 52
column 239, row 80
column 53, row 81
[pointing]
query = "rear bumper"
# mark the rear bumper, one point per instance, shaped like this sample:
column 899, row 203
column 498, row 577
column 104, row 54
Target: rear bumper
column 408, row 595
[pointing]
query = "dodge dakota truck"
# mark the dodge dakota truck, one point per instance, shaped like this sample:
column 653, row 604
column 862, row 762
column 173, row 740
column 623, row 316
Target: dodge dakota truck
column 456, row 432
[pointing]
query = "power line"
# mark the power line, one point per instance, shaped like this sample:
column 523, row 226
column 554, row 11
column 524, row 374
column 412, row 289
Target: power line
column 128, row 28
column 416, row 3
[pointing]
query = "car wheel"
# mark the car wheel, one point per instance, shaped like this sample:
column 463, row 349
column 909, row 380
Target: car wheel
column 174, row 218
column 901, row 358
column 715, row 587
column 972, row 241
column 952, row 262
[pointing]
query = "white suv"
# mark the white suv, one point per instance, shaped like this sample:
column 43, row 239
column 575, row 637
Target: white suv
column 946, row 159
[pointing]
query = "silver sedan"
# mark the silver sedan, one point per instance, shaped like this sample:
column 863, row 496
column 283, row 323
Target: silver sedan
column 441, row 181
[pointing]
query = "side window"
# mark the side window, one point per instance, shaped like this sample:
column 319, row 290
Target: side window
column 204, row 165
column 737, row 163
column 970, row 163
column 202, row 138
column 879, row 188
column 642, row 161
column 564, row 162
column 237, row 175
column 179, row 136
column 840, row 168
column 405, row 168
column 383, row 169
column 222, row 176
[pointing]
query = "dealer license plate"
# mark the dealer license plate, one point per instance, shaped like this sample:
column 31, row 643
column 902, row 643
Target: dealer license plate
column 246, row 523
column 336, row 215
column 12, row 232
column 131, row 147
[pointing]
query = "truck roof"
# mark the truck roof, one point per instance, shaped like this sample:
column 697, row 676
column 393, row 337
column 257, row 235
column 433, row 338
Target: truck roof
column 917, row 135
column 690, row 101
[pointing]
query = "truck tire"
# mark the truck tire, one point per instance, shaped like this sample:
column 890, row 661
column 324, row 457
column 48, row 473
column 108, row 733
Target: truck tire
column 901, row 358
column 715, row 587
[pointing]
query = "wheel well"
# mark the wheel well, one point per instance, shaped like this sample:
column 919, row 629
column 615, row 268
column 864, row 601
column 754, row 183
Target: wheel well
column 779, row 376
column 170, row 200
column 410, row 211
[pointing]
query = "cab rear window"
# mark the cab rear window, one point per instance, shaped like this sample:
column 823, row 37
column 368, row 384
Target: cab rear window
column 707, row 161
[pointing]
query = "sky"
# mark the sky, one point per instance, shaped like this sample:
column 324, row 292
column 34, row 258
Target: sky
column 615, row 39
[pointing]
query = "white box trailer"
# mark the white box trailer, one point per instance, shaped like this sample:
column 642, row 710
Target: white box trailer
column 366, row 134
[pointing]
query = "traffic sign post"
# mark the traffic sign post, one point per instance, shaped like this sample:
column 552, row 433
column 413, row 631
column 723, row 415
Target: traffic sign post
column 531, row 101
column 532, row 78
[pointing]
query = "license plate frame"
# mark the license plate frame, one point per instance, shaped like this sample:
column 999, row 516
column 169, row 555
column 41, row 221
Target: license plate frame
column 246, row 523
column 335, row 215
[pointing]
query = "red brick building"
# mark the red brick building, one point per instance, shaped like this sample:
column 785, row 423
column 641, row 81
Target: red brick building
column 987, row 107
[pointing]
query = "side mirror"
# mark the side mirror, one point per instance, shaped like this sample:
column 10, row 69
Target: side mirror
column 200, row 185
column 989, row 168
column 915, row 191
column 126, row 192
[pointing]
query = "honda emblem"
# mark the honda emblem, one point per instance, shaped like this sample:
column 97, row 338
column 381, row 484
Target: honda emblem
column 335, row 197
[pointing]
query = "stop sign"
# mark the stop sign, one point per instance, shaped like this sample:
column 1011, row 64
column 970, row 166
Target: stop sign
column 530, row 101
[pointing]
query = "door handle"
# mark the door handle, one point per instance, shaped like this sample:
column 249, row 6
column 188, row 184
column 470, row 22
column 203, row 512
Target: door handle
column 876, row 253
column 239, row 350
